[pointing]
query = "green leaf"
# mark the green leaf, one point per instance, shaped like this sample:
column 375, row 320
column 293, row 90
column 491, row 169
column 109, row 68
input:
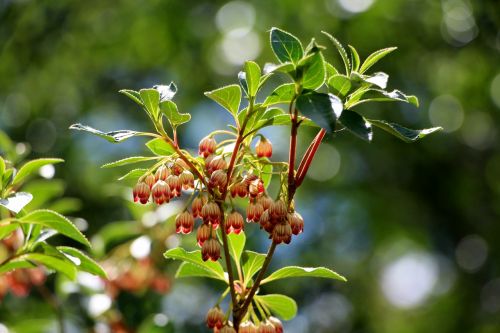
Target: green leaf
column 133, row 174
column 357, row 125
column 236, row 245
column 286, row 46
column 194, row 257
column 266, row 174
column 342, row 52
column 252, row 263
column 330, row 70
column 283, row 120
column 82, row 261
column 313, row 71
column 252, row 77
column 229, row 97
column 151, row 100
column 187, row 269
column 160, row 147
column 340, row 85
column 133, row 95
column 57, row 264
column 323, row 109
column 54, row 221
column 379, row 95
column 7, row 229
column 7, row 177
column 2, row 167
column 373, row 58
column 33, row 166
column 280, row 305
column 403, row 133
column 128, row 160
column 175, row 118
column 354, row 59
column 282, row 94
column 113, row 136
column 296, row 271
column 16, row 263
column 16, row 202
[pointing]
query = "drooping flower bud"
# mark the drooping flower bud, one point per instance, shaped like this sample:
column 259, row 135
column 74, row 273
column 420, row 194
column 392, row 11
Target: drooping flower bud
column 207, row 146
column 282, row 233
column 150, row 180
column 217, row 163
column 175, row 185
column 218, row 179
column 265, row 222
column 210, row 250
column 254, row 212
column 278, row 326
column 179, row 166
column 184, row 223
column 296, row 222
column 265, row 201
column 266, row 327
column 278, row 210
column 162, row 173
column 248, row 327
column 187, row 179
column 196, row 206
column 264, row 148
column 234, row 223
column 239, row 189
column 161, row 192
column 203, row 234
column 141, row 192
column 215, row 318
column 211, row 213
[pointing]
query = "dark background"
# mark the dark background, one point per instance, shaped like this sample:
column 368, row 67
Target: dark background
column 414, row 227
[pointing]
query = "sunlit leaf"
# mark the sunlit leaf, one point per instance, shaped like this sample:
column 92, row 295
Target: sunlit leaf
column 113, row 136
column 403, row 133
column 151, row 101
column 128, row 160
column 373, row 58
column 229, row 97
column 187, row 269
column 355, row 62
column 285, row 46
column 133, row 95
column 280, row 305
column 342, row 52
column 252, row 77
column 340, row 85
column 82, row 261
column 252, row 263
column 175, row 118
column 236, row 245
column 296, row 271
column 323, row 109
column 194, row 258
column 17, row 201
column 313, row 71
column 160, row 147
column 282, row 94
column 33, row 166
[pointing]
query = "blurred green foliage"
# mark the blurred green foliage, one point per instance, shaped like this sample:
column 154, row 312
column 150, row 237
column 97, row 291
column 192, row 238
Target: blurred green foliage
column 415, row 228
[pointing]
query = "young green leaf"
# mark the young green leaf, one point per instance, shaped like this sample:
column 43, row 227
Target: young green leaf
column 2, row 167
column 159, row 147
column 252, row 77
column 53, row 220
column 16, row 263
column 266, row 174
column 17, row 201
column 187, row 269
column 403, row 133
column 313, row 71
column 323, row 109
column 175, row 118
column 133, row 174
column 374, row 58
column 354, row 59
column 252, row 263
column 82, row 261
column 128, row 160
column 229, row 97
column 236, row 245
column 286, row 46
column 282, row 94
column 340, row 85
column 342, row 52
column 280, row 305
column 379, row 95
column 113, row 136
column 7, row 229
column 60, row 265
column 151, row 101
column 133, row 95
column 357, row 125
column 194, row 258
column 296, row 271
column 33, row 166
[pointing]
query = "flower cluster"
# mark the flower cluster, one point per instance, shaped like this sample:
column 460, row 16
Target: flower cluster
column 217, row 321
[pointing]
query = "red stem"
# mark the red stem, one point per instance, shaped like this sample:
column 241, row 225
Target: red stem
column 308, row 156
